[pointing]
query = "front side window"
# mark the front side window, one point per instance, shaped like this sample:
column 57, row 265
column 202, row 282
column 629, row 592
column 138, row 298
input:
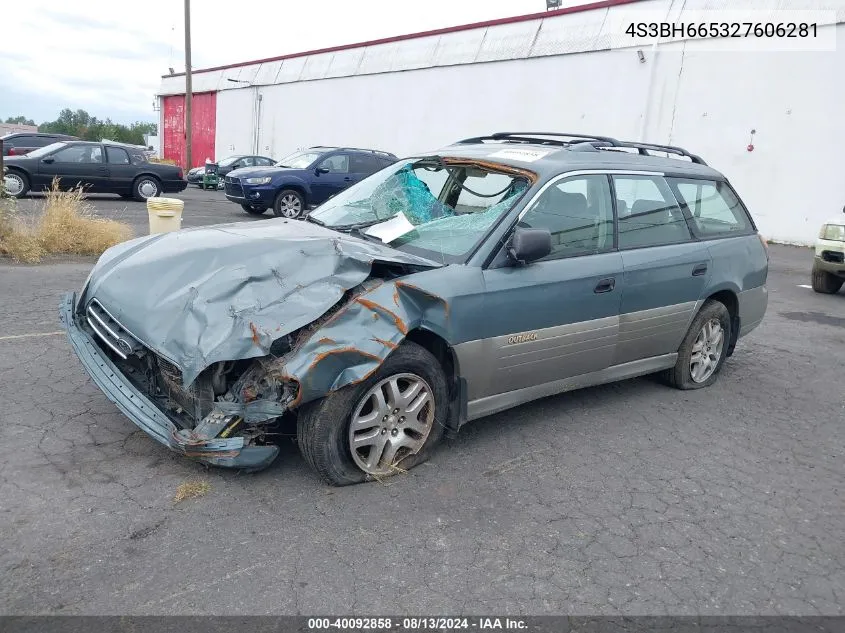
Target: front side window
column 648, row 213
column 43, row 151
column 426, row 207
column 337, row 164
column 715, row 209
column 79, row 154
column 578, row 212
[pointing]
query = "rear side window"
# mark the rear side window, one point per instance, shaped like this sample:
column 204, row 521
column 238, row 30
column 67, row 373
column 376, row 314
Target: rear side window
column 117, row 156
column 364, row 164
column 715, row 209
column 648, row 213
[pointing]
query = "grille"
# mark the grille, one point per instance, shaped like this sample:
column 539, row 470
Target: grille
column 110, row 331
column 833, row 257
column 233, row 187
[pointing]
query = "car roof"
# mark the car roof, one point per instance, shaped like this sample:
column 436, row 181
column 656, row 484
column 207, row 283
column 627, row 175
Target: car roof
column 47, row 134
column 551, row 157
column 360, row 150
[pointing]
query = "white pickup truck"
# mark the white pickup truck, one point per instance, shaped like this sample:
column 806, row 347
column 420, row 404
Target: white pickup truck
column 829, row 262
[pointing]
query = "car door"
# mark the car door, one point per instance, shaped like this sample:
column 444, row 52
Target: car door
column 665, row 269
column 121, row 170
column 76, row 164
column 331, row 176
column 558, row 317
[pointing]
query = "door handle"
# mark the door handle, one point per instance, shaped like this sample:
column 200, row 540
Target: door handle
column 699, row 270
column 605, row 285
column 347, row 179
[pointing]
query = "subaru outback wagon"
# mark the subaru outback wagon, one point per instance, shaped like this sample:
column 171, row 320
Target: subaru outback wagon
column 445, row 287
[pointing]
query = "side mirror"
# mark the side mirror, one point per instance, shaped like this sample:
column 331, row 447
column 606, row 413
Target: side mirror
column 321, row 170
column 529, row 245
column 48, row 160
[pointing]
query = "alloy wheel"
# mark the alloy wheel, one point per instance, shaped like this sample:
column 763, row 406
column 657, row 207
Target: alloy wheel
column 392, row 421
column 706, row 351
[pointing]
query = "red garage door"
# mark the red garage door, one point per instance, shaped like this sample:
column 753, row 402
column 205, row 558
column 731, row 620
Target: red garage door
column 204, row 127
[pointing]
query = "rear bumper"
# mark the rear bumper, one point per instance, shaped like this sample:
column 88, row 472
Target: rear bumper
column 752, row 308
column 226, row 453
column 174, row 186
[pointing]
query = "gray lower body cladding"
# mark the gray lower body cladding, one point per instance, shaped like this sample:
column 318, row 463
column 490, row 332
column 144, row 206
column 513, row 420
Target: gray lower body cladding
column 224, row 452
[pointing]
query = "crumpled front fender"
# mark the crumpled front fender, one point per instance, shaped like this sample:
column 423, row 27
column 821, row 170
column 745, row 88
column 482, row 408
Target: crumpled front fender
column 353, row 343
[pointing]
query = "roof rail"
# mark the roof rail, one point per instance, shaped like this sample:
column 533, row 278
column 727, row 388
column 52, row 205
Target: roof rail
column 356, row 149
column 599, row 142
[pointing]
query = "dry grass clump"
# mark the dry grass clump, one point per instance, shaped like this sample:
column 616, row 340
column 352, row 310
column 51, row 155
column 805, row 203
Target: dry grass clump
column 65, row 224
column 191, row 490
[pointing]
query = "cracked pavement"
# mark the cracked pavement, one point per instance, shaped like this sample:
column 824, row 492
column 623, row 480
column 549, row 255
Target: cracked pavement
column 630, row 498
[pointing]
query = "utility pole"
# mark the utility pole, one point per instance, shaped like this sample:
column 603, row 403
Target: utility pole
column 188, row 88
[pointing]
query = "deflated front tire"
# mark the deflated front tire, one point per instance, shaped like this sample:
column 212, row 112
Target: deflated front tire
column 384, row 425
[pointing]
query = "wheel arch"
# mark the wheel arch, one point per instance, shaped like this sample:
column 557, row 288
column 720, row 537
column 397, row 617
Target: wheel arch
column 445, row 355
column 729, row 297
column 300, row 187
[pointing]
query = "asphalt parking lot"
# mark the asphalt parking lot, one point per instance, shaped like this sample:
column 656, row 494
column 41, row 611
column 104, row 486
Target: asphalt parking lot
column 630, row 498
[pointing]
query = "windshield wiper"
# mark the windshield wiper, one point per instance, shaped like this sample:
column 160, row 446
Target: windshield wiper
column 311, row 218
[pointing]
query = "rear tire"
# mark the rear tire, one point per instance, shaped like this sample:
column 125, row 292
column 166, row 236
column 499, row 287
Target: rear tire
column 289, row 204
column 703, row 350
column 19, row 184
column 146, row 187
column 323, row 427
column 253, row 210
column 825, row 282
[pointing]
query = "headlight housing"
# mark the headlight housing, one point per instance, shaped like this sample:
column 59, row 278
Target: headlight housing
column 834, row 232
column 258, row 181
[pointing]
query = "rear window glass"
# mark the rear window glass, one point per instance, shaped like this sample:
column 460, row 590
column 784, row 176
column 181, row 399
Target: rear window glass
column 714, row 207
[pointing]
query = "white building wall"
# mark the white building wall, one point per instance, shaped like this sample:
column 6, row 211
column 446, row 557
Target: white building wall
column 417, row 95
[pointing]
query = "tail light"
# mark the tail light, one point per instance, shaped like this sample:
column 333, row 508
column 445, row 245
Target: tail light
column 765, row 245
column 14, row 151
column 181, row 173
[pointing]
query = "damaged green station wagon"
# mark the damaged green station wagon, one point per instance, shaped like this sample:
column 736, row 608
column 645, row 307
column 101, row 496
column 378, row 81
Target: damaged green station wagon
column 441, row 289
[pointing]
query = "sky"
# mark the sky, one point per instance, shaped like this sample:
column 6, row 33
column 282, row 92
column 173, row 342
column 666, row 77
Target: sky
column 107, row 56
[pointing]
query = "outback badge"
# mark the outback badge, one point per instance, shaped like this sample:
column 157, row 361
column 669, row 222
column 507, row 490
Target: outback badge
column 522, row 338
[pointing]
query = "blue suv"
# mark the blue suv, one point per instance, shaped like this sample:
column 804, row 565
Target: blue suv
column 303, row 180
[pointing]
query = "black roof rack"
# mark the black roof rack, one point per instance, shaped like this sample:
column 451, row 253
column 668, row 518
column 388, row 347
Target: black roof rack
column 357, row 149
column 598, row 142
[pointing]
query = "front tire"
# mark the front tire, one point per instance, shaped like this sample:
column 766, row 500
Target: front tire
column 385, row 425
column 146, row 187
column 17, row 184
column 824, row 282
column 704, row 348
column 289, row 204
column 253, row 210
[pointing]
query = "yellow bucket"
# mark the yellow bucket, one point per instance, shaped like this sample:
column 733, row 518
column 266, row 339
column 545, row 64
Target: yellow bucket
column 165, row 214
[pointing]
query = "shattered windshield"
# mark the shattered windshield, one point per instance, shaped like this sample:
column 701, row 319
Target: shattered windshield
column 427, row 207
column 298, row 160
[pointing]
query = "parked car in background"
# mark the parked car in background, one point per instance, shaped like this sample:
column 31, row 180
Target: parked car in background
column 448, row 286
column 303, row 179
column 97, row 167
column 21, row 143
column 829, row 262
column 228, row 164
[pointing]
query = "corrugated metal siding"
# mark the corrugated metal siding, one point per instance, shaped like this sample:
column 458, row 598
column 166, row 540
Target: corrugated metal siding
column 554, row 35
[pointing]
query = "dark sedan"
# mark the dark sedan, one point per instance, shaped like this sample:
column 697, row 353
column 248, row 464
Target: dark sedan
column 228, row 164
column 22, row 143
column 97, row 167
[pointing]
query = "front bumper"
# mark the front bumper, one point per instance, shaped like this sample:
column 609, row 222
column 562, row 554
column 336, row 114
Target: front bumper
column 223, row 452
column 830, row 257
column 254, row 195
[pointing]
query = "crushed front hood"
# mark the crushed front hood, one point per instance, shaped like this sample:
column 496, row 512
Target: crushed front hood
column 226, row 292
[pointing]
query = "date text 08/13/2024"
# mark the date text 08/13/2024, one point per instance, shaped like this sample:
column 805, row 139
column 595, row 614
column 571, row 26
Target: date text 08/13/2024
column 416, row 624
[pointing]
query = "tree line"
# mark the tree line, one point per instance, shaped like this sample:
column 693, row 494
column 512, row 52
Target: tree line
column 81, row 124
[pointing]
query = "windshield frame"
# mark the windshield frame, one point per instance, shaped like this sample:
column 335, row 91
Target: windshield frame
column 530, row 177
column 38, row 152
